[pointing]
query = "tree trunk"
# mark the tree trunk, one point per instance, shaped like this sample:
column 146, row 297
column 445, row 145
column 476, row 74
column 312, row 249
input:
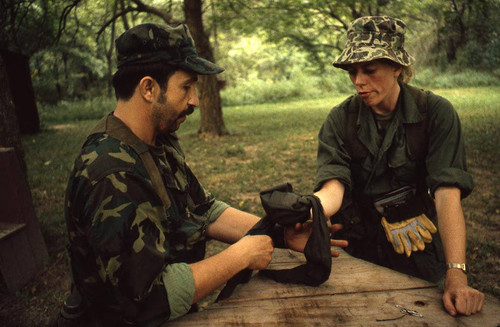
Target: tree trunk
column 110, row 51
column 212, row 121
column 9, row 128
column 18, row 74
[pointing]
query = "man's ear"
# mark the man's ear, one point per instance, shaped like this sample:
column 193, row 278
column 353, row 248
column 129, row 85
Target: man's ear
column 148, row 88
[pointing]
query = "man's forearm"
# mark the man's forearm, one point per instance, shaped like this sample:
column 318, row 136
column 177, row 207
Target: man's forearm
column 231, row 225
column 214, row 271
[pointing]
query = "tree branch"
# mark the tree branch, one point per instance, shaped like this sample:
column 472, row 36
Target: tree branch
column 140, row 8
column 64, row 15
column 112, row 19
column 166, row 16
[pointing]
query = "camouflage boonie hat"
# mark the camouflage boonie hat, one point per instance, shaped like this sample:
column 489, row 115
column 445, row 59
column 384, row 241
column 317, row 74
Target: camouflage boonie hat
column 173, row 44
column 375, row 37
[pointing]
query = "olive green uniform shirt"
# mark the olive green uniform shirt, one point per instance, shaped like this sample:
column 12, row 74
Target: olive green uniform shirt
column 387, row 167
column 445, row 162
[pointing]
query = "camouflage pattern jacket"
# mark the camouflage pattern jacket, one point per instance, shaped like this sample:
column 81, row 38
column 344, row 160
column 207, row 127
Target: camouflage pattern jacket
column 128, row 252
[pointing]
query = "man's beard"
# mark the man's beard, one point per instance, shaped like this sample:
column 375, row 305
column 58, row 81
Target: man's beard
column 163, row 124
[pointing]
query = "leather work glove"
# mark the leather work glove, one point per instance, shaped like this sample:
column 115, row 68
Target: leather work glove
column 409, row 235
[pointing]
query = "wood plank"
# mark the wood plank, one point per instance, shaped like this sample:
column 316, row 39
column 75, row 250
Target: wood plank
column 17, row 262
column 17, row 205
column 360, row 309
column 349, row 275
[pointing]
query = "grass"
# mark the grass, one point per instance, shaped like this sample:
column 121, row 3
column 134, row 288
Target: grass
column 269, row 144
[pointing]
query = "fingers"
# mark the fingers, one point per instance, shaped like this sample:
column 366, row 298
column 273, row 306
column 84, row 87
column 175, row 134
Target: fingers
column 464, row 301
column 461, row 305
column 335, row 254
column 258, row 249
column 388, row 234
column 480, row 302
column 403, row 238
column 426, row 236
column 335, row 228
column 427, row 223
column 416, row 240
column 339, row 243
column 301, row 227
column 469, row 302
column 448, row 304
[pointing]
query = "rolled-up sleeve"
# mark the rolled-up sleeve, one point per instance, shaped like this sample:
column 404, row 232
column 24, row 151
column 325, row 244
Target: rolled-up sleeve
column 333, row 159
column 179, row 283
column 215, row 210
column 446, row 160
column 203, row 203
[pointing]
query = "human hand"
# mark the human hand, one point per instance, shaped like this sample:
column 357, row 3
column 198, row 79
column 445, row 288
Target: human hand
column 257, row 249
column 410, row 234
column 460, row 298
column 296, row 237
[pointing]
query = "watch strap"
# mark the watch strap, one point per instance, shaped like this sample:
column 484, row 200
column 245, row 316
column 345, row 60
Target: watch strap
column 461, row 266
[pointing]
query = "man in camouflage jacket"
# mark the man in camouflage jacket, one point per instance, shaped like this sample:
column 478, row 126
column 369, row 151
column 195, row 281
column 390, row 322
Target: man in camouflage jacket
column 137, row 255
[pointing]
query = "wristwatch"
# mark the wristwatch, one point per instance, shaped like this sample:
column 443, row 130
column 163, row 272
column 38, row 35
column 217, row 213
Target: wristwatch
column 460, row 266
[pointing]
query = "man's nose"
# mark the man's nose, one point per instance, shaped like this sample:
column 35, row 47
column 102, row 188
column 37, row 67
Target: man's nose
column 193, row 98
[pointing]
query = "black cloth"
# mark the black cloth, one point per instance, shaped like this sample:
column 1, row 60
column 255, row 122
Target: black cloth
column 285, row 208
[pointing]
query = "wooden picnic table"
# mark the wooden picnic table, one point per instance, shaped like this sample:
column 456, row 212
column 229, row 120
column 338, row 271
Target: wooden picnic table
column 358, row 293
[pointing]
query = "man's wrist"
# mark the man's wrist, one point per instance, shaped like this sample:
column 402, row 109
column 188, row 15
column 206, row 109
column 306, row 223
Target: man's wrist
column 453, row 265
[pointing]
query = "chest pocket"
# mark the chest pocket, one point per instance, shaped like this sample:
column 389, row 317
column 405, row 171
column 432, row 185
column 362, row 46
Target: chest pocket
column 187, row 241
column 399, row 161
column 397, row 152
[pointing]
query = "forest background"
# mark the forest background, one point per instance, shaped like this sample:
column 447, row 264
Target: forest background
column 277, row 88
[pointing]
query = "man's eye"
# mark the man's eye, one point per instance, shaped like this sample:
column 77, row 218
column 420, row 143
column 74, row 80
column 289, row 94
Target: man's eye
column 351, row 72
column 369, row 71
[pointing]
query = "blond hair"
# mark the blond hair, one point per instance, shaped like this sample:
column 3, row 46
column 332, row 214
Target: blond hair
column 406, row 74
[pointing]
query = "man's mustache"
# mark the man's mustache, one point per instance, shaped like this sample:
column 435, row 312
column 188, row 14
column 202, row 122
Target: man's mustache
column 188, row 111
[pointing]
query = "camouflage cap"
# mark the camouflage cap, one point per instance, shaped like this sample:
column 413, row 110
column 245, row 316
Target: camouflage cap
column 375, row 37
column 173, row 44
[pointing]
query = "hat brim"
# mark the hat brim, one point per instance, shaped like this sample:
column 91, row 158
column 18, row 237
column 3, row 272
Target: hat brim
column 200, row 66
column 365, row 54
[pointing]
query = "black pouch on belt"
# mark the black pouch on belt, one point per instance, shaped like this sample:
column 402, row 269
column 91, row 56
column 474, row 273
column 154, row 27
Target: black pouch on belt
column 400, row 204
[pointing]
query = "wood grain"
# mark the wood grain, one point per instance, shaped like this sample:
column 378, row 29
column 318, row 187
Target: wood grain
column 358, row 293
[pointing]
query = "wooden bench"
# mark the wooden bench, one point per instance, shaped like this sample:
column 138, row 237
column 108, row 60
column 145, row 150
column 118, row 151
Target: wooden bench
column 22, row 248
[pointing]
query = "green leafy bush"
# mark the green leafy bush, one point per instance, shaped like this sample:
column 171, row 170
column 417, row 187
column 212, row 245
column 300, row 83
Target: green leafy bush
column 77, row 110
column 455, row 77
column 298, row 86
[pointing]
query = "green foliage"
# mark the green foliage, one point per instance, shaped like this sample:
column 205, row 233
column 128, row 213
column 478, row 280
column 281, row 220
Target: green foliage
column 299, row 86
column 467, row 33
column 29, row 26
column 74, row 111
column 456, row 76
column 268, row 47
column 316, row 28
column 302, row 85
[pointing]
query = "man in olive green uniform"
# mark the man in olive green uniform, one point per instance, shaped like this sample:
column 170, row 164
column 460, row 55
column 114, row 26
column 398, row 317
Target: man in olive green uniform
column 137, row 216
column 392, row 167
